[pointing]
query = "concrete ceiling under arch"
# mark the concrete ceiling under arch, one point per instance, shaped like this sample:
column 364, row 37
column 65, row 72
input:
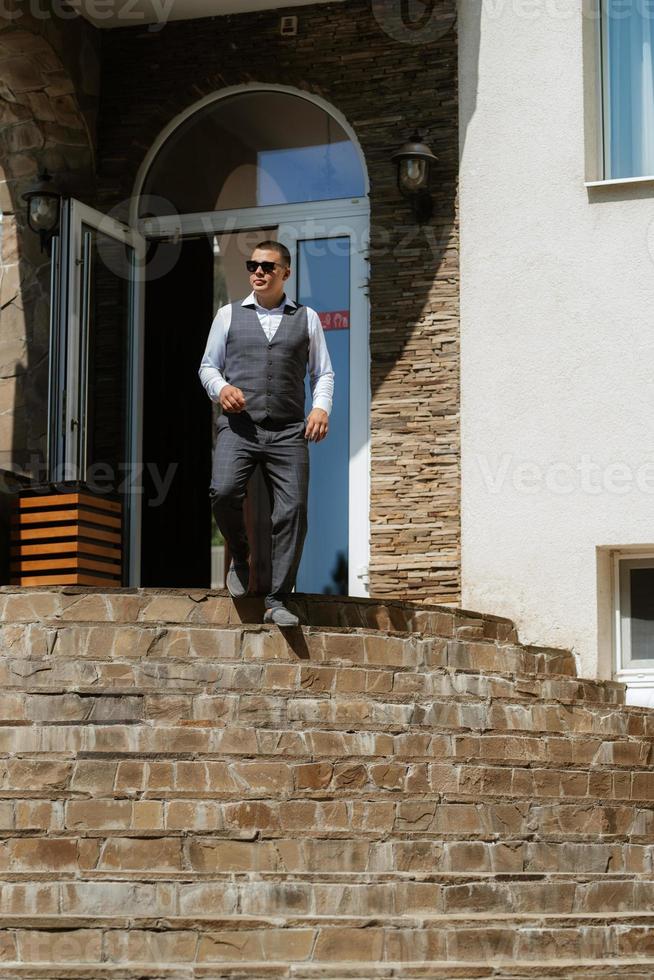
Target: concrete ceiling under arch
column 132, row 13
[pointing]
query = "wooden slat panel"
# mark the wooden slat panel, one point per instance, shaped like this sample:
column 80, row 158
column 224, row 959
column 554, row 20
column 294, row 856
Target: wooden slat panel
column 66, row 499
column 74, row 563
column 95, row 580
column 87, row 500
column 65, row 516
column 65, row 547
column 66, row 539
column 60, row 579
column 89, row 533
column 65, row 531
column 65, row 580
column 31, row 533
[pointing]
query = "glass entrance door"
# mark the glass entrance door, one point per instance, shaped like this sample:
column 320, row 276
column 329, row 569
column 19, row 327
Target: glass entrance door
column 328, row 245
column 93, row 427
column 328, row 263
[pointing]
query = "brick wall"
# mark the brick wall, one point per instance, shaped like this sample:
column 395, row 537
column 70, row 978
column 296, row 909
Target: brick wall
column 385, row 88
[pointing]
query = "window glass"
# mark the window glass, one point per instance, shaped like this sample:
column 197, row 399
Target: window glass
column 628, row 59
column 105, row 309
column 641, row 583
column 255, row 148
column 323, row 266
column 637, row 611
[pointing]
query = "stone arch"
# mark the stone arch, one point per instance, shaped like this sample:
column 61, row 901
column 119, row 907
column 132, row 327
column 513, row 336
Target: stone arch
column 41, row 125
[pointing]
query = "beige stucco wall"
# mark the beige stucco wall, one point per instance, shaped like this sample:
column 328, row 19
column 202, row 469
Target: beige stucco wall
column 557, row 305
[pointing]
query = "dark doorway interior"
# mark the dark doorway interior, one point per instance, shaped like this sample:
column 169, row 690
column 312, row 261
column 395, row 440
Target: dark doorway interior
column 176, row 538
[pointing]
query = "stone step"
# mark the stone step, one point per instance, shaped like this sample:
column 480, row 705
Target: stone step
column 27, row 781
column 148, row 857
column 391, row 790
column 257, row 643
column 128, row 722
column 212, row 743
column 324, row 939
column 447, row 818
column 321, row 894
column 640, row 968
column 286, row 708
column 176, row 676
column 216, row 608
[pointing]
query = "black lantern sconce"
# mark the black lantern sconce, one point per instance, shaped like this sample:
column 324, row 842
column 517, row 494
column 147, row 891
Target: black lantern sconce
column 414, row 161
column 43, row 208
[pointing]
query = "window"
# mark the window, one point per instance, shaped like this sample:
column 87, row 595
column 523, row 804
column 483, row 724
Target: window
column 635, row 614
column 627, row 58
column 255, row 148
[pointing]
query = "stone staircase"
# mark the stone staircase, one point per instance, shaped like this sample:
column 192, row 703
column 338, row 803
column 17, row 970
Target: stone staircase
column 392, row 791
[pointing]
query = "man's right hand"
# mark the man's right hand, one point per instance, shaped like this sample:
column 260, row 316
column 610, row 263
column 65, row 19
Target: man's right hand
column 232, row 399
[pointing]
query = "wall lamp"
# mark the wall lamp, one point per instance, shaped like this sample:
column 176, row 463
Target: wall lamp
column 43, row 208
column 414, row 161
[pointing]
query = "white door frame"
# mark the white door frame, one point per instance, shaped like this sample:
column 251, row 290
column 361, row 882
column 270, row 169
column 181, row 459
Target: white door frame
column 301, row 222
column 355, row 211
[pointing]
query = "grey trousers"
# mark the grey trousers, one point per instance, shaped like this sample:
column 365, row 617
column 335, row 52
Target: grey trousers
column 283, row 454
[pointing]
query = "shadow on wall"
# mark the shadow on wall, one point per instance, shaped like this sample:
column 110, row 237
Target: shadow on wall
column 469, row 14
column 41, row 126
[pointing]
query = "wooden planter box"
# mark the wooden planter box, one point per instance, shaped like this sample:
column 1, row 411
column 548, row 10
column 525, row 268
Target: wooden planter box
column 66, row 538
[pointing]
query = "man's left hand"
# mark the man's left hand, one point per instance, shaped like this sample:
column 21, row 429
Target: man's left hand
column 317, row 425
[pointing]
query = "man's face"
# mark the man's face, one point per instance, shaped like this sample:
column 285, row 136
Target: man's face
column 267, row 284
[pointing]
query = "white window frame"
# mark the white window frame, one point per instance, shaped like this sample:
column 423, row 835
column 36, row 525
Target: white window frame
column 604, row 113
column 629, row 671
column 597, row 149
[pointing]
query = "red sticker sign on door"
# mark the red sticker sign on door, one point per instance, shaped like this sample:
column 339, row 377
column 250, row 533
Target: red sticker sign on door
column 336, row 320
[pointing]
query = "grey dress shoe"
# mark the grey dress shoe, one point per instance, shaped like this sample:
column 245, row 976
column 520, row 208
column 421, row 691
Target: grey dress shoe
column 238, row 579
column 281, row 616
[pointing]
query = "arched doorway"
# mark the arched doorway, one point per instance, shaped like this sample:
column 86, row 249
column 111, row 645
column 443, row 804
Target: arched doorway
column 247, row 164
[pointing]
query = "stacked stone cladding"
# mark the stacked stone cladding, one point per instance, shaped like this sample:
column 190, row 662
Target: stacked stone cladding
column 393, row 790
column 48, row 79
column 385, row 88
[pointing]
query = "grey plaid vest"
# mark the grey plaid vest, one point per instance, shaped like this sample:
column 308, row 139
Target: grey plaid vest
column 269, row 373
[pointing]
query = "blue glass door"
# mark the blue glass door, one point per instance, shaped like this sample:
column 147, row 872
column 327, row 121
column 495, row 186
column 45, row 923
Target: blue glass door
column 323, row 283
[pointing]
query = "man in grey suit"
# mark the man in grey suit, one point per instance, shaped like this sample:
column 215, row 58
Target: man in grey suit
column 254, row 365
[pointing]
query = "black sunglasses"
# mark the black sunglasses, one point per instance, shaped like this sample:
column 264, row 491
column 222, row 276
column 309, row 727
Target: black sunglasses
column 267, row 267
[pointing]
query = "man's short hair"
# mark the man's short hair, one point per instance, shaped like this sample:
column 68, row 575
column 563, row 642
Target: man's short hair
column 271, row 246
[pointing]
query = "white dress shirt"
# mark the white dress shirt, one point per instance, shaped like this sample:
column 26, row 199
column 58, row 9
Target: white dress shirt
column 321, row 374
